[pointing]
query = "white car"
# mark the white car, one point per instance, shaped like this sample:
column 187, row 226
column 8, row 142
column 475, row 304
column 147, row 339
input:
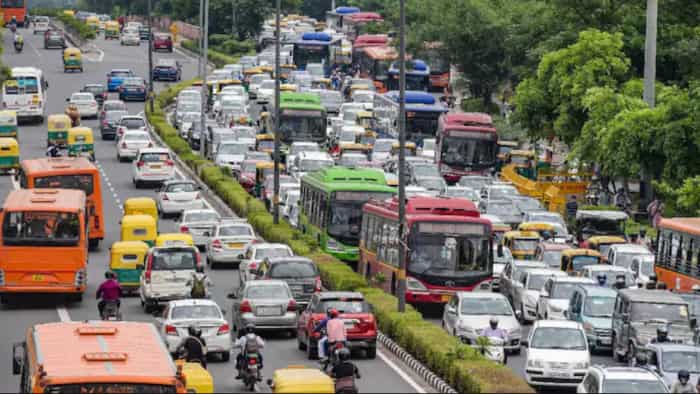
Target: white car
column 255, row 253
column 229, row 241
column 266, row 91
column 166, row 275
column 176, row 196
column 528, row 298
column 41, row 24
column 130, row 37
column 298, row 147
column 290, row 206
column 200, row 224
column 179, row 315
column 130, row 142
column 469, row 313
column 428, row 149
column 86, row 103
column 131, row 123
column 152, row 165
column 306, row 162
column 254, row 84
column 602, row 379
column 555, row 296
column 557, row 354
column 231, row 153
column 188, row 118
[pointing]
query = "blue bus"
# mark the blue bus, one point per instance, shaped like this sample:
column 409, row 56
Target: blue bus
column 313, row 48
column 422, row 114
column 417, row 76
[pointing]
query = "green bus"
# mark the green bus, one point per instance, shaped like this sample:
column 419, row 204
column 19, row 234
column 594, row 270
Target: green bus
column 331, row 206
column 302, row 118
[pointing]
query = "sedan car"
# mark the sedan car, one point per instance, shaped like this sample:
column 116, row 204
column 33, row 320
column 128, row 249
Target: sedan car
column 130, row 37
column 54, row 39
column 133, row 89
column 557, row 354
column 468, row 313
column 153, row 165
column 667, row 359
column 300, row 273
column 200, row 224
column 179, row 315
column 177, row 196
column 116, row 77
column 231, row 153
column 162, row 41
column 109, row 124
column 268, row 304
column 602, row 379
column 254, row 255
column 98, row 90
column 167, row 70
column 86, row 103
column 228, row 242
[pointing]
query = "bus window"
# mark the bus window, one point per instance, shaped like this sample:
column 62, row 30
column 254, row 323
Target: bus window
column 80, row 182
column 41, row 229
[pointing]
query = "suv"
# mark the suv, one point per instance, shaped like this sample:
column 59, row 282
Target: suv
column 639, row 313
column 623, row 254
column 300, row 273
column 602, row 379
column 592, row 306
column 357, row 314
column 166, row 274
column 153, row 165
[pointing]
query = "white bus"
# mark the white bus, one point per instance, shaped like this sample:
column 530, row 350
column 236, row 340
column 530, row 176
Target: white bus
column 25, row 92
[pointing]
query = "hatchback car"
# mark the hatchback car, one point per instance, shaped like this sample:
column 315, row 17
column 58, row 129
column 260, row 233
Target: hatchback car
column 133, row 89
column 179, row 315
column 254, row 255
column 268, row 304
column 112, row 105
column 162, row 41
column 614, row 380
column 200, row 224
column 231, row 153
column 131, row 123
column 41, row 24
column 228, row 242
column 131, row 142
column 130, row 37
column 54, row 39
column 98, row 90
column 86, row 103
column 167, row 70
column 109, row 124
column 360, row 323
column 300, row 273
column 177, row 196
column 166, row 274
column 153, row 165
column 557, row 354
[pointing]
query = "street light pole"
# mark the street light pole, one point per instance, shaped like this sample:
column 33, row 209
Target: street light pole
column 205, row 89
column 150, row 58
column 650, row 53
column 402, row 158
column 275, row 197
column 201, row 34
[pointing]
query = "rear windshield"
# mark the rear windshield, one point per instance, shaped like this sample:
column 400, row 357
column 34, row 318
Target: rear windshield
column 95, row 89
column 181, row 187
column 270, row 253
column 120, row 74
column 154, row 157
column 295, row 269
column 195, row 312
column 174, row 259
column 267, row 291
column 111, row 116
column 113, row 106
column 343, row 306
column 133, row 123
column 78, row 181
column 232, row 231
column 41, row 229
column 201, row 217
column 136, row 137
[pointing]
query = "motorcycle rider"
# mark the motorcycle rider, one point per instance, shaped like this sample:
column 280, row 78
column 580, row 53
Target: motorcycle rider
column 492, row 331
column 194, row 347
column 13, row 24
column 683, row 384
column 248, row 343
column 109, row 290
column 335, row 332
column 18, row 41
column 602, row 279
column 345, row 373
column 661, row 335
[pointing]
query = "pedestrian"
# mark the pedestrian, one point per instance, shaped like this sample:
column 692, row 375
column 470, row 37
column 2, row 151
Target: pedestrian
column 655, row 210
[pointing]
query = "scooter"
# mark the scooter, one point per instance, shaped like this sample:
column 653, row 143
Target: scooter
column 111, row 311
column 18, row 43
column 332, row 358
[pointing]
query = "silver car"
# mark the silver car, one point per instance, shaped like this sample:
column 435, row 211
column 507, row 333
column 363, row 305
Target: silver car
column 228, row 242
column 200, row 224
column 177, row 196
column 268, row 304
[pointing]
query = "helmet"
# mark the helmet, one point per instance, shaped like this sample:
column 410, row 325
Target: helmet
column 250, row 328
column 683, row 374
column 662, row 332
column 493, row 321
column 333, row 313
column 194, row 330
column 344, row 354
column 602, row 278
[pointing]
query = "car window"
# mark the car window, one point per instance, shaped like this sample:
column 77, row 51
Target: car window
column 558, row 338
column 293, row 269
column 82, row 97
column 113, row 106
column 202, row 216
column 114, row 115
column 485, row 306
column 154, row 157
column 267, row 291
column 181, row 188
column 175, row 259
column 342, row 306
column 614, row 386
column 195, row 312
column 232, row 231
column 136, row 137
column 133, row 123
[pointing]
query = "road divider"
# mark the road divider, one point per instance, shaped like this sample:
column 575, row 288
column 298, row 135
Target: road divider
column 461, row 366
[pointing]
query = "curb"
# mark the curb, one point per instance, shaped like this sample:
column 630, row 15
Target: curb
column 431, row 378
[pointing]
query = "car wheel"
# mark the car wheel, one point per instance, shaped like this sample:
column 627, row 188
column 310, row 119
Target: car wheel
column 225, row 356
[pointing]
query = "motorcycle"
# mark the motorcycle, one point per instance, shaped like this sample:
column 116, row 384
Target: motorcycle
column 346, row 385
column 251, row 371
column 19, row 45
column 111, row 311
column 332, row 359
column 13, row 28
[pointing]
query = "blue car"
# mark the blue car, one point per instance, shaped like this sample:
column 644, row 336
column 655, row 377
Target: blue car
column 133, row 89
column 167, row 70
column 116, row 77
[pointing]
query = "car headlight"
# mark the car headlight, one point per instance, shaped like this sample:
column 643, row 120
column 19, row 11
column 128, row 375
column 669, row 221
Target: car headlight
column 581, row 365
column 534, row 363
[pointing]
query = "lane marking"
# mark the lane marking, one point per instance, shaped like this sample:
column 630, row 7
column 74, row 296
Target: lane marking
column 33, row 48
column 401, row 373
column 63, row 314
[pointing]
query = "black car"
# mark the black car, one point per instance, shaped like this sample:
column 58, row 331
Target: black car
column 167, row 70
column 98, row 90
column 144, row 33
column 109, row 123
column 54, row 39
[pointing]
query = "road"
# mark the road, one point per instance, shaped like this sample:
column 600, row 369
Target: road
column 384, row 374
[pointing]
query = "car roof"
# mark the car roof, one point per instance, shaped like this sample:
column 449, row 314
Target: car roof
column 153, row 150
column 606, row 268
column 280, row 260
column 630, row 248
column 268, row 282
column 268, row 245
column 593, row 290
column 651, row 296
column 627, row 373
column 327, row 295
column 572, row 279
column 315, row 155
column 192, row 302
column 545, row 271
column 178, row 181
column 476, row 294
column 557, row 324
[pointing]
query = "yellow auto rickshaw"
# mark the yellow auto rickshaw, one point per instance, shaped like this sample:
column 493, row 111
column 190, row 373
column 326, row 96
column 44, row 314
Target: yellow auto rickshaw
column 522, row 244
column 301, row 379
column 197, row 378
column 267, row 70
column 410, row 148
column 286, row 69
column 72, row 60
column 288, row 87
column 126, row 259
column 68, row 13
column 367, row 138
column 543, row 229
column 321, row 83
column 498, row 229
column 262, row 170
column 602, row 243
column 265, row 143
column 81, row 142
column 574, row 260
column 139, row 228
column 9, row 154
column 173, row 239
column 141, row 206
column 346, row 147
column 8, row 124
column 111, row 30
column 93, row 22
column 355, row 88
column 367, row 120
column 58, row 126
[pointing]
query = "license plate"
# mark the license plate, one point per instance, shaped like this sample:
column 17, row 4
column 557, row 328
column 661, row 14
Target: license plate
column 235, row 245
column 269, row 311
column 555, row 374
column 445, row 298
column 606, row 341
column 155, row 166
column 349, row 323
column 38, row 278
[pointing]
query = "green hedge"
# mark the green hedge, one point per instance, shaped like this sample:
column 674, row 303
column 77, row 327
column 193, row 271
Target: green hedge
column 76, row 27
column 216, row 57
column 460, row 365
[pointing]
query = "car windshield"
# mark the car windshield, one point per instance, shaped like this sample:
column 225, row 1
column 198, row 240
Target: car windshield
column 558, row 338
column 599, row 306
column 428, row 144
column 475, row 183
column 528, row 204
column 267, row 292
column 524, row 244
column 233, row 149
column 41, row 229
column 113, row 106
column 423, row 170
column 351, row 160
column 233, row 231
column 113, row 116
column 181, row 188
column 191, row 117
column 82, row 97
column 674, row 361
column 174, row 259
column 195, row 312
column 249, row 166
column 485, row 306
column 552, row 258
column 293, row 269
column 468, row 152
column 502, row 192
column 133, row 123
column 95, row 89
column 535, row 282
column 201, row 216
column 304, row 127
column 431, row 183
column 343, row 306
column 563, row 291
column 624, row 259
column 649, row 311
column 154, row 157
column 188, row 106
column 611, row 276
column 120, row 74
column 583, row 261
column 136, row 137
column 270, row 253
column 620, row 386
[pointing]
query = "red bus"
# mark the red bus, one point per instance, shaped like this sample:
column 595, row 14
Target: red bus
column 466, row 144
column 439, row 66
column 375, row 63
column 352, row 24
column 16, row 8
column 449, row 247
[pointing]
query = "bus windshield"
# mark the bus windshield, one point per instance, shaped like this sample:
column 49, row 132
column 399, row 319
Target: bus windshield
column 82, row 182
column 41, row 229
column 304, row 54
column 307, row 127
column 421, row 125
column 12, row 4
column 345, row 218
column 467, row 152
column 111, row 388
column 447, row 254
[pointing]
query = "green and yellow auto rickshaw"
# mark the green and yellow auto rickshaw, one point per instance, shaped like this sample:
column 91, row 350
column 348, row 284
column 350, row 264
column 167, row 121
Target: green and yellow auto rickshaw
column 81, row 142
column 139, row 228
column 72, row 60
column 125, row 259
column 8, row 124
column 9, row 154
column 58, row 126
column 111, row 30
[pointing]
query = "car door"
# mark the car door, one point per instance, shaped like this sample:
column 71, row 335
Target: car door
column 504, row 282
column 305, row 316
column 542, row 300
column 617, row 325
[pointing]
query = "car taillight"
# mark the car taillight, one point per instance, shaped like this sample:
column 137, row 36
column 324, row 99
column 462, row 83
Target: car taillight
column 223, row 330
column 139, row 164
column 170, row 330
column 292, row 306
column 198, row 258
column 245, row 307
column 318, row 286
column 184, row 229
column 147, row 276
column 165, row 197
column 216, row 244
column 169, row 163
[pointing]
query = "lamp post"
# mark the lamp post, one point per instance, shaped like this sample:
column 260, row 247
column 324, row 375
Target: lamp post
column 150, row 58
column 650, row 53
column 402, row 158
column 275, row 197
column 204, row 55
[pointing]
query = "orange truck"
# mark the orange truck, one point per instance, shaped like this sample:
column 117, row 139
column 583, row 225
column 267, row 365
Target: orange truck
column 95, row 357
column 43, row 243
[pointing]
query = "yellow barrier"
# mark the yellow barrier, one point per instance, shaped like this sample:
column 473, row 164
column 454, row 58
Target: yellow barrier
column 552, row 188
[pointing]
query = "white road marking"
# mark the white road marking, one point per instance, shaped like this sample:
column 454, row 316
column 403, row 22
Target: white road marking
column 401, row 373
column 63, row 314
column 33, row 48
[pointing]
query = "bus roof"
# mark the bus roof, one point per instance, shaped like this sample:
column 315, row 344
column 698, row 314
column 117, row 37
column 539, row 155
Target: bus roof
column 381, row 53
column 684, row 225
column 102, row 352
column 58, row 166
column 466, row 121
column 343, row 179
column 430, row 209
column 344, row 10
column 25, row 71
column 48, row 200
column 298, row 100
column 417, row 101
column 316, row 36
column 413, row 67
column 365, row 40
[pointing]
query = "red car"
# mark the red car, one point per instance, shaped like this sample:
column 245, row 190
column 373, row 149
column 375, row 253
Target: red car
column 246, row 174
column 354, row 310
column 162, row 41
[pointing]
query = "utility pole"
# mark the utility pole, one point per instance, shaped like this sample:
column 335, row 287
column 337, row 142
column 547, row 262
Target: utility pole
column 650, row 53
column 332, row 5
column 276, row 194
column 234, row 31
column 201, row 34
column 402, row 157
column 205, row 55
column 150, row 58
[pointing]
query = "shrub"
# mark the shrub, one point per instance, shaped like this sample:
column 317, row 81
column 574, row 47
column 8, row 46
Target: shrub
column 77, row 28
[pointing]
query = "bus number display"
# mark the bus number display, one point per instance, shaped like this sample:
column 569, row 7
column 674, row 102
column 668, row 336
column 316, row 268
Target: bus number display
column 452, row 228
column 361, row 196
column 297, row 112
column 472, row 134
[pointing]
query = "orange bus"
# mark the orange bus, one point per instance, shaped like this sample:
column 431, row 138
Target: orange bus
column 678, row 245
column 95, row 357
column 375, row 62
column 69, row 173
column 16, row 8
column 43, row 243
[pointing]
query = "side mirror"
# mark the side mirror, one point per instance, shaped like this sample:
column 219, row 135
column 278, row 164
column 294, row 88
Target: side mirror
column 524, row 343
column 67, row 99
column 140, row 267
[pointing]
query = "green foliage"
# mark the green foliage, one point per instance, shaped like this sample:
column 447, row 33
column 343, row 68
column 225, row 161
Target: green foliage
column 218, row 58
column 77, row 28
